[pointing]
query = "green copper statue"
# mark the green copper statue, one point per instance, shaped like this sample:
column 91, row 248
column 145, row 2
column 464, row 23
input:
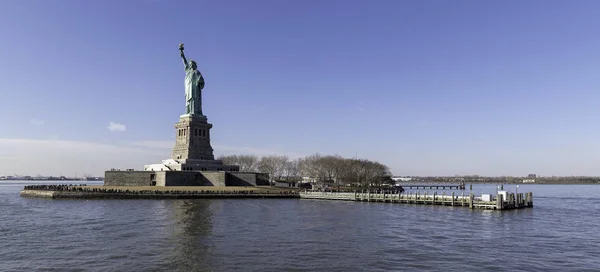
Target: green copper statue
column 194, row 83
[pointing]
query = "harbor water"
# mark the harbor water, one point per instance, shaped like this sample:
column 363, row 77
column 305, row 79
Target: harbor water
column 559, row 234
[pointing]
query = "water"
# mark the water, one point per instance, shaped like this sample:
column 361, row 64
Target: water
column 559, row 234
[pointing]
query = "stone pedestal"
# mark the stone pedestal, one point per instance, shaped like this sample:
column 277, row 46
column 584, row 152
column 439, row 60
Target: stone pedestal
column 192, row 139
column 191, row 165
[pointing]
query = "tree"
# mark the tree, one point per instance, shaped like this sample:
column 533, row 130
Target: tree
column 273, row 165
column 247, row 163
column 331, row 168
column 310, row 167
column 292, row 170
column 342, row 171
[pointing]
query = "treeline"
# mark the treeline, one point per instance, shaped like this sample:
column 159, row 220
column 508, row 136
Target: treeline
column 331, row 169
column 507, row 180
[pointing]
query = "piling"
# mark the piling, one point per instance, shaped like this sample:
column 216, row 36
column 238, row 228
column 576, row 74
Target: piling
column 499, row 202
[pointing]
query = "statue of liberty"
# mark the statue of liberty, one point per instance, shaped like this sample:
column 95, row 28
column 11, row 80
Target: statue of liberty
column 194, row 83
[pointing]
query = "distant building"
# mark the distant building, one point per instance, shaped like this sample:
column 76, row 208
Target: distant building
column 529, row 181
column 532, row 176
column 309, row 180
column 405, row 179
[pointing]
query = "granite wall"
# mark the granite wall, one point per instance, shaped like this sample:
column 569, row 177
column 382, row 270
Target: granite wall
column 215, row 178
column 128, row 178
column 184, row 178
column 246, row 179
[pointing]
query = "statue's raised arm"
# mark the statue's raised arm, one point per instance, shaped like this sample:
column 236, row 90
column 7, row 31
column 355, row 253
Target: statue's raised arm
column 185, row 63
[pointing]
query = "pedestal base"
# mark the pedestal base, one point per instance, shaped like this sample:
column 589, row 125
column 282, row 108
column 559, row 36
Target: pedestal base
column 192, row 138
column 191, row 165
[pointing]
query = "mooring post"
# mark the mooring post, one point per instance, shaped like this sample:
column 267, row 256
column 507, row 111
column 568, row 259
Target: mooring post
column 452, row 198
column 471, row 198
column 530, row 199
column 499, row 202
column 521, row 200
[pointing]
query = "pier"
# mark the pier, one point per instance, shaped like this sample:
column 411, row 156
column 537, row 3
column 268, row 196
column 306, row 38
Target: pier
column 502, row 201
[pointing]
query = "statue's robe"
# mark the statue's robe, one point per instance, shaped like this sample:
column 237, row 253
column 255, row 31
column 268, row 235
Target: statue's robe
column 194, row 83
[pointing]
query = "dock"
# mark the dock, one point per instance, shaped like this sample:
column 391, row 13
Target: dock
column 502, row 201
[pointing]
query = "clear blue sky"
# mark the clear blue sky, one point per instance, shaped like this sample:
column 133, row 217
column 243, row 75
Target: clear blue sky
column 426, row 87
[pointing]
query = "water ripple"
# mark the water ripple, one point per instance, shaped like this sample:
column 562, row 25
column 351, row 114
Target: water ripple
column 559, row 234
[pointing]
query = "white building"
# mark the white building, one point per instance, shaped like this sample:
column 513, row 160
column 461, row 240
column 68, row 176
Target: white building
column 396, row 179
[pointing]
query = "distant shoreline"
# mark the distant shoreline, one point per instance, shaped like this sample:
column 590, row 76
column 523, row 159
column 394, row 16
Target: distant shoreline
column 501, row 182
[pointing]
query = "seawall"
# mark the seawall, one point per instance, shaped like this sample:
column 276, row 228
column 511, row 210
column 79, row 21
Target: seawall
column 149, row 195
column 36, row 193
column 151, row 192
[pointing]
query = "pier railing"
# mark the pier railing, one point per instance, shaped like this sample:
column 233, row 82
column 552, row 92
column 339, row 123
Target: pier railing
column 512, row 201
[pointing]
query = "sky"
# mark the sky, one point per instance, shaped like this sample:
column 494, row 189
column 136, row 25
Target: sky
column 427, row 87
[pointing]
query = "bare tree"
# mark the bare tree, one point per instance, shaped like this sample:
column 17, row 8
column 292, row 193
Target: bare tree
column 310, row 166
column 331, row 167
column 292, row 170
column 273, row 166
column 342, row 171
column 280, row 165
column 247, row 163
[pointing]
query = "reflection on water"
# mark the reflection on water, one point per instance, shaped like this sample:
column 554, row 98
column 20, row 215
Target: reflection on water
column 190, row 237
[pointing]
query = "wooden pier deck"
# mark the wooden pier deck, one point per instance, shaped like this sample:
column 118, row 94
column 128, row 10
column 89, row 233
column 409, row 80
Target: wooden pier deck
column 512, row 201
